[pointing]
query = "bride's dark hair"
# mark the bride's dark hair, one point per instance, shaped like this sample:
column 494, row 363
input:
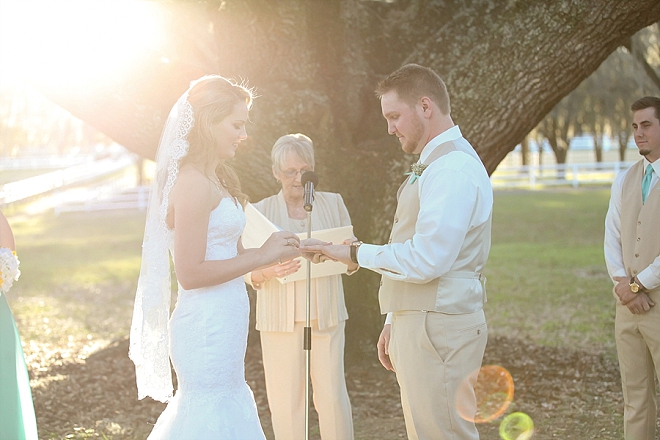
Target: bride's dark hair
column 212, row 100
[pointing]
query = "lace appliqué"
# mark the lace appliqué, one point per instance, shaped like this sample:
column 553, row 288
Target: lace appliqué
column 149, row 344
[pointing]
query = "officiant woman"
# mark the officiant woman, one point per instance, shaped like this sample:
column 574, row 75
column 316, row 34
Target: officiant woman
column 281, row 308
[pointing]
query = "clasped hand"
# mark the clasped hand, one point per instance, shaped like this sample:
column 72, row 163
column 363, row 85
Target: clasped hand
column 637, row 303
column 317, row 251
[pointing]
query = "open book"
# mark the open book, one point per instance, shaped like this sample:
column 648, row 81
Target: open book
column 258, row 228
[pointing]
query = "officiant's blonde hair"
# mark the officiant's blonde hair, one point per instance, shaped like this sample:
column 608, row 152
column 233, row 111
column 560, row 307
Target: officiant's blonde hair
column 298, row 144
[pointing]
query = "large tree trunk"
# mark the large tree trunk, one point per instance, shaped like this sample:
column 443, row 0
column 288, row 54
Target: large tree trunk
column 315, row 65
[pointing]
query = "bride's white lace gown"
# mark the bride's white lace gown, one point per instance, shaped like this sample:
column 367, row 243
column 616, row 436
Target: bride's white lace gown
column 208, row 333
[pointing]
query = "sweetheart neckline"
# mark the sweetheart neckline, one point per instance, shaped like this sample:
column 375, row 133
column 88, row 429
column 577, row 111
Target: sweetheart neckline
column 232, row 199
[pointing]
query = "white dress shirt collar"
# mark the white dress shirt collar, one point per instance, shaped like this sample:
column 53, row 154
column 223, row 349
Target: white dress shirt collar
column 448, row 135
column 656, row 165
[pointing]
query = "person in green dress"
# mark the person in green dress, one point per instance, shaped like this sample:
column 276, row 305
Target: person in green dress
column 17, row 418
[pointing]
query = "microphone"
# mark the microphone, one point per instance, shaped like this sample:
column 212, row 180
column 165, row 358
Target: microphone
column 309, row 180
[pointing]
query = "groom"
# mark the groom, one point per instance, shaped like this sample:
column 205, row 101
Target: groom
column 432, row 288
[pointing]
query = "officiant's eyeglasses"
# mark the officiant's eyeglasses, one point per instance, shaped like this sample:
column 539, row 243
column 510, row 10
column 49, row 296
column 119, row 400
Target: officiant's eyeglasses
column 293, row 173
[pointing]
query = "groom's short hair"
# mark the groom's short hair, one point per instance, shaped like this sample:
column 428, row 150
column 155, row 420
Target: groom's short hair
column 412, row 82
column 647, row 102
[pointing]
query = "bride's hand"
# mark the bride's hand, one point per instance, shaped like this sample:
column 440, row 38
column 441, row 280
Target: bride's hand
column 281, row 270
column 280, row 247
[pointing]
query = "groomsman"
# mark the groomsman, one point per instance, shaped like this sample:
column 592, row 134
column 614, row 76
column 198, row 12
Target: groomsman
column 632, row 254
column 432, row 287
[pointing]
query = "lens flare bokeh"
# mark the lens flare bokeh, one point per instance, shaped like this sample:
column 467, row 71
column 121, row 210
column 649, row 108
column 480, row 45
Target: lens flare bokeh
column 517, row 426
column 494, row 393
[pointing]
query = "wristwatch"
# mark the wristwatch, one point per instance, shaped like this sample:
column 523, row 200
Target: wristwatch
column 634, row 287
column 354, row 248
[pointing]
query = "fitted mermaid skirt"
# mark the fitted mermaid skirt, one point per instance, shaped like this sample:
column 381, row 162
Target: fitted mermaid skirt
column 208, row 340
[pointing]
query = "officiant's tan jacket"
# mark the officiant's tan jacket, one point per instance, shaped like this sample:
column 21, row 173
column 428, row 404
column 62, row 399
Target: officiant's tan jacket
column 276, row 302
column 462, row 289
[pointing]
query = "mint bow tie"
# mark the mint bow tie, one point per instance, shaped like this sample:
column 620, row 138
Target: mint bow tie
column 416, row 170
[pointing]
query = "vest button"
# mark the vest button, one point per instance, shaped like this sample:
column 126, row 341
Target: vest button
column 639, row 239
column 389, row 241
column 396, row 220
column 381, row 283
column 636, row 255
column 639, row 222
column 634, row 272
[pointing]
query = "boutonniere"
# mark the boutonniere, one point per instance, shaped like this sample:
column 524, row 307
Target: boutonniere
column 416, row 170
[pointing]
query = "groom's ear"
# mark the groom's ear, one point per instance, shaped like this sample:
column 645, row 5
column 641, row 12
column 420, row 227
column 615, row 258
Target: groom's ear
column 427, row 106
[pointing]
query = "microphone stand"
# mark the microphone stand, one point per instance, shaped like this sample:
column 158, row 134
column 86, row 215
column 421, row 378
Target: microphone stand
column 309, row 180
column 307, row 342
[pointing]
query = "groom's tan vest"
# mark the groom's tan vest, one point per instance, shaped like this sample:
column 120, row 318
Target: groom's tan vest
column 640, row 223
column 462, row 290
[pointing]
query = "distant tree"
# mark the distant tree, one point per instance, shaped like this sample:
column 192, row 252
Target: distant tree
column 524, row 151
column 559, row 127
column 600, row 105
column 645, row 48
column 608, row 93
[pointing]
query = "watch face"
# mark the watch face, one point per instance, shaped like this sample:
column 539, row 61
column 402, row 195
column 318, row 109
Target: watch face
column 634, row 287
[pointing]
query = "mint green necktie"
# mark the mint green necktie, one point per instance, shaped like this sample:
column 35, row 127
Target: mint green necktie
column 646, row 182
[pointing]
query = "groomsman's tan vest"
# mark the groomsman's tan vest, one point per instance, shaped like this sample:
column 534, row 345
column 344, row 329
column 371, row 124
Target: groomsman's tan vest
column 462, row 290
column 640, row 223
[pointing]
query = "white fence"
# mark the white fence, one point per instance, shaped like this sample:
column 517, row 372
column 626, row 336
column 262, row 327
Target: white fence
column 123, row 194
column 575, row 175
column 74, row 175
column 104, row 200
column 43, row 162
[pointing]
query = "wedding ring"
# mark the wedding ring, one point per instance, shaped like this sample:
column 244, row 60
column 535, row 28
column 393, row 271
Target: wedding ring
column 288, row 242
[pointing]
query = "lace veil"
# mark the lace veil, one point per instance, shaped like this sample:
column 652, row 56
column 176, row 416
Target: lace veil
column 149, row 339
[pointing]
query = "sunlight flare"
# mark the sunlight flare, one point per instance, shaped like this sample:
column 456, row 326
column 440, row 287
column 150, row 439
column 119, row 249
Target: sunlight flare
column 73, row 41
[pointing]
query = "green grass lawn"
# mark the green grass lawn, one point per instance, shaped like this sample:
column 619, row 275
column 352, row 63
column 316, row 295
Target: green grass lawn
column 78, row 278
column 547, row 280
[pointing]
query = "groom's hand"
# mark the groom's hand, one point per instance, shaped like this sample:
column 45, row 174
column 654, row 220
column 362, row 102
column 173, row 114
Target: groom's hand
column 313, row 255
column 384, row 347
column 336, row 252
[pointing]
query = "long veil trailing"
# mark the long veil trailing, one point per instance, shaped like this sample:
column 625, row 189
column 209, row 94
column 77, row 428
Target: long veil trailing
column 149, row 339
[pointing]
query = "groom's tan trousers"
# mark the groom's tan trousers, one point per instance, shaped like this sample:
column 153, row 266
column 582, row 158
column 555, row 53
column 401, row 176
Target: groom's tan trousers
column 433, row 354
column 284, row 367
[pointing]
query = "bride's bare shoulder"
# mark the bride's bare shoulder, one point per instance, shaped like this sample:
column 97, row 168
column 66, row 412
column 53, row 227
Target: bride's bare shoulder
column 191, row 186
column 191, row 180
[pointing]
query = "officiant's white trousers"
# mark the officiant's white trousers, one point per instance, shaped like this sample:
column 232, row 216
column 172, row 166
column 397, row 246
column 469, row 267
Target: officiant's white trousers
column 284, row 367
column 437, row 358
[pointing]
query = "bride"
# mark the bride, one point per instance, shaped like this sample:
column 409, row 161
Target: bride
column 196, row 215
